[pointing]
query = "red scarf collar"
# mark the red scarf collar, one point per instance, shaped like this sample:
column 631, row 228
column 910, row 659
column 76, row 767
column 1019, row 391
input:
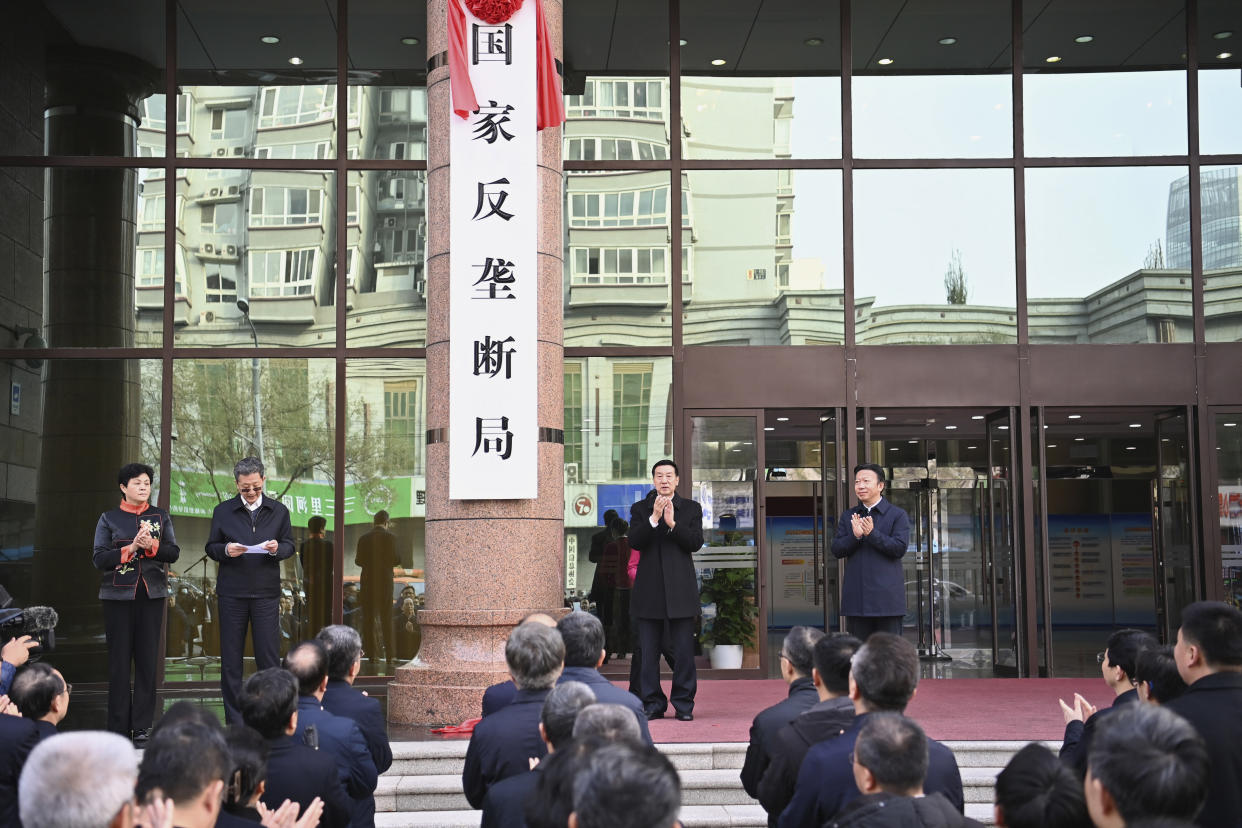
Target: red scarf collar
column 134, row 510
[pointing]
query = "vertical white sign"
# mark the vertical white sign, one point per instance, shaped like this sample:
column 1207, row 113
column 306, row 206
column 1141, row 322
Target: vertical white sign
column 493, row 254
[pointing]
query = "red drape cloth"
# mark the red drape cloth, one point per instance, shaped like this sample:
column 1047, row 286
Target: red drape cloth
column 551, row 105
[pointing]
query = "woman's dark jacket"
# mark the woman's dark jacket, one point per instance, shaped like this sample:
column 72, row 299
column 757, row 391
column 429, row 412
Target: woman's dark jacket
column 116, row 531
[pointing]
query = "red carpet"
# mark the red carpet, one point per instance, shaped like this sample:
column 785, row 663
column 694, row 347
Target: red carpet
column 948, row 709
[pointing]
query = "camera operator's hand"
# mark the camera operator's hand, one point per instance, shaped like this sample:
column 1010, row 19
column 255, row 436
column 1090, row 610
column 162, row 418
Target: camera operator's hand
column 17, row 651
column 7, row 708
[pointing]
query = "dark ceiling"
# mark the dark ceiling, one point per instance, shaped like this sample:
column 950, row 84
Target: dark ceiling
column 218, row 40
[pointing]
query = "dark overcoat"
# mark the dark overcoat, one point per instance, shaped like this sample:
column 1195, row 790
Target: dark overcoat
column 665, row 586
column 875, row 584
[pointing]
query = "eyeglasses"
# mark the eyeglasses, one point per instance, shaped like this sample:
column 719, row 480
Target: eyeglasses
column 68, row 688
column 1101, row 656
column 249, row 489
column 785, row 656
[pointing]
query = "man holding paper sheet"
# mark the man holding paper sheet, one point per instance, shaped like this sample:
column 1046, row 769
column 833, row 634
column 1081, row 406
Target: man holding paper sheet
column 250, row 536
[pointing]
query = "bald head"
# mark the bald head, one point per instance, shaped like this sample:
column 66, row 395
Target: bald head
column 308, row 662
column 538, row 618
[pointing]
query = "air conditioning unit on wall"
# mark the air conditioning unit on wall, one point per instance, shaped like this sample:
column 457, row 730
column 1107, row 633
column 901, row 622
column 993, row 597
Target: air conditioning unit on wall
column 571, row 474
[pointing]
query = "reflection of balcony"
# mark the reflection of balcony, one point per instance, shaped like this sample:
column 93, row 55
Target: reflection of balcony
column 219, row 249
column 287, row 310
column 219, row 192
column 654, row 294
column 150, row 298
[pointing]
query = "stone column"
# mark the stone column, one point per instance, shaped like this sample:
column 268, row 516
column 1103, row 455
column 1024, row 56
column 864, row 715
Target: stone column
column 489, row 563
column 91, row 412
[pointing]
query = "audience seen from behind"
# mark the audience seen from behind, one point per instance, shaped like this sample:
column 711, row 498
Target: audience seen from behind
column 80, row 780
column 625, row 785
column 336, row 736
column 1156, row 675
column 797, row 662
column 583, row 635
column 606, row 722
column 187, row 762
column 42, row 695
column 1117, row 661
column 248, row 756
column 1146, row 761
column 883, row 676
column 890, row 765
column 269, row 704
column 1038, row 790
column 507, row 742
column 828, row 717
column 1209, row 657
column 500, row 694
column 344, row 646
column 505, row 801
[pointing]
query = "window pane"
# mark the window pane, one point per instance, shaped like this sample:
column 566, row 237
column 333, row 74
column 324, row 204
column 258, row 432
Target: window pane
column 1105, row 113
column 1220, row 106
column 1222, row 245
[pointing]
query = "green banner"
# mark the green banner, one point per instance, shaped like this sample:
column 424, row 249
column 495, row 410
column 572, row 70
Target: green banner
column 193, row 495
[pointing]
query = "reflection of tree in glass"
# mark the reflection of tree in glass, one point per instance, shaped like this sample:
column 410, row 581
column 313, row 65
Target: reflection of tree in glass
column 1154, row 260
column 213, row 424
column 956, row 288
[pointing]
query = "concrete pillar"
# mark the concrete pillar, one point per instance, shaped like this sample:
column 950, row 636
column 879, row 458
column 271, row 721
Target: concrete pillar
column 489, row 563
column 91, row 407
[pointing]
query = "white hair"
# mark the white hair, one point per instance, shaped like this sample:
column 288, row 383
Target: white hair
column 77, row 780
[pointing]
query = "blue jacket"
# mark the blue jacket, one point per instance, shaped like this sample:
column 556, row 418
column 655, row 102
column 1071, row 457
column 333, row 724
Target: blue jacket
column 497, row 696
column 341, row 699
column 826, row 779
column 341, row 739
column 7, row 671
column 608, row 693
column 503, row 744
column 874, row 582
column 297, row 773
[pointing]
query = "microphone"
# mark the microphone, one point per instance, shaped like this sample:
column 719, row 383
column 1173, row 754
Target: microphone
column 37, row 622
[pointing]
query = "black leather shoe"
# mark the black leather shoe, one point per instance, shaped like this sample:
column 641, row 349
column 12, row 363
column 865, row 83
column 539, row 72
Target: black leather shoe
column 652, row 713
column 141, row 737
column 683, row 716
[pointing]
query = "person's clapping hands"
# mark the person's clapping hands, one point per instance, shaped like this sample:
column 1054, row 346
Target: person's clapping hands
column 286, row 816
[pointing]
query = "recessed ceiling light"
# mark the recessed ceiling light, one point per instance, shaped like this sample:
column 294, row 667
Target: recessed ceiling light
column 1052, row 445
column 912, row 442
column 885, row 61
column 270, row 40
column 823, row 418
column 769, row 428
column 976, row 417
column 1073, row 416
column 295, row 60
column 1230, row 425
column 947, row 41
column 1136, row 425
column 950, row 428
column 1222, row 35
column 879, row 418
column 1003, row 428
column 972, row 448
column 1079, row 439
column 1052, row 59
column 719, row 62
column 1224, row 55
column 782, row 419
column 814, row 41
column 894, row 448
column 1084, row 38
column 736, row 449
column 1131, row 448
column 409, row 41
column 859, row 428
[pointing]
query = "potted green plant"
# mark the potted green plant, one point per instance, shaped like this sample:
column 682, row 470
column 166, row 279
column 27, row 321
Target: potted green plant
column 732, row 590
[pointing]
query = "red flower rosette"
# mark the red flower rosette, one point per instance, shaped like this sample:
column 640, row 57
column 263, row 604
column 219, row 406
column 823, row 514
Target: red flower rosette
column 493, row 11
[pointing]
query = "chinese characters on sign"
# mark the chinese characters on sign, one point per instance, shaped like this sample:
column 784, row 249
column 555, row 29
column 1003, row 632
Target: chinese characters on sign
column 493, row 427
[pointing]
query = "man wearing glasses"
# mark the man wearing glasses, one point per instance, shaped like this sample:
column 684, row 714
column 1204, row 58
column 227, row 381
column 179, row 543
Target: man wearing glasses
column 250, row 536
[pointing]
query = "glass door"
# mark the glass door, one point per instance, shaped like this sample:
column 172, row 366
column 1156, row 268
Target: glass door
column 1173, row 516
column 998, row 542
column 725, row 458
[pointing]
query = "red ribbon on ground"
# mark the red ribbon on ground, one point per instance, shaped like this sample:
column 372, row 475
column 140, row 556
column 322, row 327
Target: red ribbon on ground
column 551, row 104
column 457, row 730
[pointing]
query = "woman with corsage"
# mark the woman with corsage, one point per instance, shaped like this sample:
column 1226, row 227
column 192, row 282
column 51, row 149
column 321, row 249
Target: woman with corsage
column 133, row 544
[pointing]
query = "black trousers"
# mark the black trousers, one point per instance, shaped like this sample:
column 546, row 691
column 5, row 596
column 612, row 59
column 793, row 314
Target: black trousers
column 862, row 626
column 377, row 631
column 672, row 638
column 262, row 616
column 132, row 629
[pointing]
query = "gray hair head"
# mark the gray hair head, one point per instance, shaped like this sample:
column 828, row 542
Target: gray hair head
column 561, row 708
column 248, row 465
column 611, row 722
column 77, row 780
column 344, row 648
column 535, row 655
column 799, row 648
column 625, row 785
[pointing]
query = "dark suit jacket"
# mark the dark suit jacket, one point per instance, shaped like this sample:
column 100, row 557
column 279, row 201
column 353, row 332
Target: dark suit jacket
column 249, row 576
column 826, row 779
column 376, row 556
column 764, row 728
column 341, row 739
column 341, row 699
column 608, row 693
column 885, row 810
column 874, row 582
column 1213, row 704
column 665, row 586
column 502, row 745
column 825, row 720
column 18, row 736
column 505, row 803
column 1078, row 735
column 498, row 696
column 297, row 773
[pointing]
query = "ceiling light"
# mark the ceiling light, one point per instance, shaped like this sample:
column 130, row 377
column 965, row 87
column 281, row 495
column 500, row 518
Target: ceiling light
column 1073, row 416
column 409, row 41
column 295, row 60
column 912, row 442
column 950, row 428
column 860, row 428
column 736, row 449
column 1136, row 425
column 972, row 448
column 885, row 61
column 947, row 41
column 823, row 418
column 894, row 448
column 270, row 40
column 1131, row 448
column 782, row 419
column 1052, row 445
column 769, row 428
column 977, row 417
column 1084, row 38
column 1003, row 428
column 814, row 41
column 719, row 62
column 1052, row 59
column 879, row 418
column 1230, row 425
column 1224, row 55
column 1222, row 35
column 1079, row 439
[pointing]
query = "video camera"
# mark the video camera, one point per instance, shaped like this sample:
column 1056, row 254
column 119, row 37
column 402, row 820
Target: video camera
column 37, row 622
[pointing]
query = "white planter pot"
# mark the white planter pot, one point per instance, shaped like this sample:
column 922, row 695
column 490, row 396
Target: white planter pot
column 726, row 656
